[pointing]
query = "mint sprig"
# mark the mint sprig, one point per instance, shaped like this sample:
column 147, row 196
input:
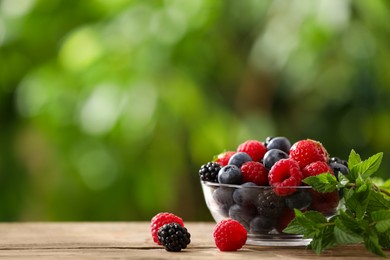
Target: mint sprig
column 364, row 216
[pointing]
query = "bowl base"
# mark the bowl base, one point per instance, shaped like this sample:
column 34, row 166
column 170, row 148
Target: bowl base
column 277, row 240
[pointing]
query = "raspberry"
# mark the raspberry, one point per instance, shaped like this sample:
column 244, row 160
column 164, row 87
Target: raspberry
column 229, row 235
column 308, row 151
column 316, row 168
column 174, row 237
column 326, row 202
column 254, row 148
column 270, row 205
column 223, row 158
column 284, row 175
column 285, row 219
column 161, row 219
column 209, row 172
column 254, row 172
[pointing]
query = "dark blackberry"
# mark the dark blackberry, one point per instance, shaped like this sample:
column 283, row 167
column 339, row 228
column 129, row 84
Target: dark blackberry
column 173, row 237
column 269, row 204
column 209, row 172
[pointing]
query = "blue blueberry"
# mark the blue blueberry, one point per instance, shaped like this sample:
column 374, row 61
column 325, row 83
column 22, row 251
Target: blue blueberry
column 281, row 143
column 339, row 167
column 239, row 158
column 243, row 214
column 230, row 174
column 261, row 224
column 223, row 196
column 272, row 156
column 338, row 160
column 246, row 196
column 299, row 200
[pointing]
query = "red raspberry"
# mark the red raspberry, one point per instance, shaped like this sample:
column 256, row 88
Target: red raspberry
column 254, row 172
column 161, row 219
column 285, row 218
column 308, row 151
column 223, row 158
column 253, row 148
column 229, row 235
column 284, row 175
column 324, row 202
column 316, row 168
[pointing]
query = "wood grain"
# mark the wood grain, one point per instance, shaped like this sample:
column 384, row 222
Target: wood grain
column 133, row 241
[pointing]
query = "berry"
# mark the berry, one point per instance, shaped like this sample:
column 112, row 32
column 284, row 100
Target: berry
column 253, row 148
column 243, row 214
column 338, row 167
column 254, row 172
column 338, row 160
column 316, row 168
column 209, row 172
column 174, row 237
column 223, row 158
column 272, row 156
column 308, row 151
column 161, row 219
column 299, row 200
column 284, row 175
column 269, row 205
column 238, row 159
column 261, row 224
column 230, row 174
column 268, row 139
column 326, row 202
column 281, row 143
column 223, row 196
column 245, row 196
column 285, row 219
column 229, row 235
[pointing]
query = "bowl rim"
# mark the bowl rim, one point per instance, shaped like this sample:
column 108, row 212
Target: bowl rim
column 240, row 186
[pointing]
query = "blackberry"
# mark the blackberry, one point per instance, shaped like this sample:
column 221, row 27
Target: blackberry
column 174, row 237
column 209, row 172
column 269, row 204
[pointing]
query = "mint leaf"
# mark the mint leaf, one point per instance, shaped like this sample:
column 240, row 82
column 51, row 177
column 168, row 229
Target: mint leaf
column 344, row 235
column 357, row 202
column 308, row 224
column 371, row 243
column 382, row 219
column 324, row 182
column 377, row 201
column 369, row 166
column 353, row 159
column 384, row 239
column 324, row 240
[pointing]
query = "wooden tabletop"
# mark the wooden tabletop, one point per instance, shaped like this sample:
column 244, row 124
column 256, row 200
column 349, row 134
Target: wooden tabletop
column 133, row 241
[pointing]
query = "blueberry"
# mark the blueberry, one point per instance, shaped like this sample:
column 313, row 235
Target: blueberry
column 261, row 224
column 281, row 143
column 299, row 200
column 272, row 156
column 268, row 139
column 338, row 160
column 246, row 196
column 230, row 174
column 223, row 196
column 339, row 167
column 239, row 158
column 242, row 214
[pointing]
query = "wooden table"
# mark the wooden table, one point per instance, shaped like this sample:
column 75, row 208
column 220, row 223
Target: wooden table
column 133, row 241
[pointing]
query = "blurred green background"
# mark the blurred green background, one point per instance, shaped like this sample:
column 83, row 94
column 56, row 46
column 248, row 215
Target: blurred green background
column 109, row 108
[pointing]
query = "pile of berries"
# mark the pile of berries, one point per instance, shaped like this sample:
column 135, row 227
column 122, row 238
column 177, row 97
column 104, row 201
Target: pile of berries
column 168, row 230
column 279, row 168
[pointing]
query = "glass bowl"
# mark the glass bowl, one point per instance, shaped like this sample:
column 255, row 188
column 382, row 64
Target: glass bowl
column 263, row 213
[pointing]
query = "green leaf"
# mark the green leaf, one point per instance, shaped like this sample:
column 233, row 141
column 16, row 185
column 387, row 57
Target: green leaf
column 377, row 201
column 371, row 165
column 357, row 202
column 382, row 219
column 324, row 240
column 371, row 243
column 324, row 182
column 353, row 159
column 384, row 239
column 307, row 224
column 344, row 235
